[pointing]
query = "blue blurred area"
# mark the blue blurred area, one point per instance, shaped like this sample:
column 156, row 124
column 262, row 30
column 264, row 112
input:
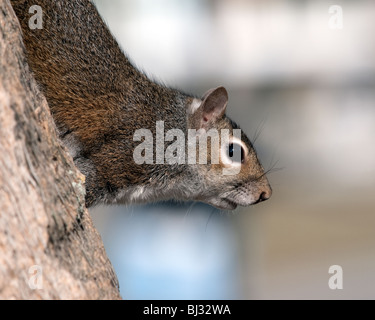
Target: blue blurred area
column 171, row 251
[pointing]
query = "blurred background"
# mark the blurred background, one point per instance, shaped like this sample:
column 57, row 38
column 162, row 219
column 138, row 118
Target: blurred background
column 308, row 86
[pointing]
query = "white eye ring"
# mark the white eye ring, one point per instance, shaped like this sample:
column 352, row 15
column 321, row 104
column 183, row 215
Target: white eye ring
column 228, row 161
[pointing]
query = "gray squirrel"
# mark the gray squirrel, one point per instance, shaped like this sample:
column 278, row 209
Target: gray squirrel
column 99, row 100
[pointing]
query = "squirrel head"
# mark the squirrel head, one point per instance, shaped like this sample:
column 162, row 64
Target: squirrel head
column 233, row 174
column 199, row 154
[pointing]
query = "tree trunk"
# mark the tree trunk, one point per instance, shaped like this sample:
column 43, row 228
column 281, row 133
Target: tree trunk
column 49, row 248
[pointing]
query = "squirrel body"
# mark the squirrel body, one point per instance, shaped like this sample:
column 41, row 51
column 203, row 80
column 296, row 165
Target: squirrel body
column 98, row 100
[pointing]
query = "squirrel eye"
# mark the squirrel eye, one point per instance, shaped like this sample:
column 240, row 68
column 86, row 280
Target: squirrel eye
column 236, row 149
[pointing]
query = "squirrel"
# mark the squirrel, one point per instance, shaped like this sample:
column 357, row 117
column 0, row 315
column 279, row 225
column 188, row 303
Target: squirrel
column 99, row 100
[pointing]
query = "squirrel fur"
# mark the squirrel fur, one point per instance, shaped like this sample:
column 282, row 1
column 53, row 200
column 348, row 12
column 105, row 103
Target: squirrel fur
column 98, row 99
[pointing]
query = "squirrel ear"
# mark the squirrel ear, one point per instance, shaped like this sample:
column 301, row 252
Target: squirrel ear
column 213, row 106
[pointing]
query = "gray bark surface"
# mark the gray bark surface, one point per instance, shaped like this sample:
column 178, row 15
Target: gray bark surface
column 49, row 248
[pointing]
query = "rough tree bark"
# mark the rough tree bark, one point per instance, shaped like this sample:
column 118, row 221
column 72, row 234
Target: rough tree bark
column 43, row 219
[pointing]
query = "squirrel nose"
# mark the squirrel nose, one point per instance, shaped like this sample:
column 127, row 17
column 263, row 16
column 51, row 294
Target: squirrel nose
column 265, row 195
